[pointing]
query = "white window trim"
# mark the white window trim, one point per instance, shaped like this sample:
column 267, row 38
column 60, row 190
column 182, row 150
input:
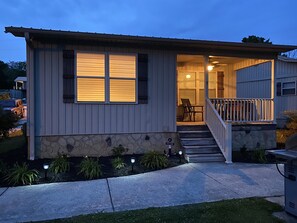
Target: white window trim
column 285, row 82
column 107, row 78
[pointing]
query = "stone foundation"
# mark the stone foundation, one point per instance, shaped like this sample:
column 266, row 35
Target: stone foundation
column 101, row 145
column 253, row 136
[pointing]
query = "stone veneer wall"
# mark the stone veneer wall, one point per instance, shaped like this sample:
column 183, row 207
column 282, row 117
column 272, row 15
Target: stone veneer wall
column 253, row 136
column 101, row 145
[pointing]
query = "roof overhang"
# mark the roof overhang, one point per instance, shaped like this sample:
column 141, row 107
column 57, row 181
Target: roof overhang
column 250, row 50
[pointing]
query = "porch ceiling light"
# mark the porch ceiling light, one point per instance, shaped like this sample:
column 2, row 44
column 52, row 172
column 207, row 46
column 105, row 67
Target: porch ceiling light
column 210, row 67
column 188, row 76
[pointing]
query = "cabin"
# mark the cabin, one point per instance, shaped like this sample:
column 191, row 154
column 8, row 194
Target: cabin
column 255, row 82
column 90, row 92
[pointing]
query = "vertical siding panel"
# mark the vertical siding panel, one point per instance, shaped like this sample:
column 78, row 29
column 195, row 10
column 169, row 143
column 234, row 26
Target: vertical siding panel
column 62, row 116
column 55, row 90
column 131, row 118
column 113, row 118
column 41, row 93
column 107, row 119
column 48, row 91
column 94, row 119
column 154, row 100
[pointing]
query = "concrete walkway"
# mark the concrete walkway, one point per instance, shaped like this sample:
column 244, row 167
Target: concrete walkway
column 185, row 184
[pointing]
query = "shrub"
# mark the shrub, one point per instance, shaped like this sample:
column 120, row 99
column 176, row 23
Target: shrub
column 154, row 160
column 90, row 168
column 3, row 168
column 59, row 165
column 8, row 120
column 21, row 175
column 259, row 156
column 119, row 150
column 291, row 127
column 118, row 163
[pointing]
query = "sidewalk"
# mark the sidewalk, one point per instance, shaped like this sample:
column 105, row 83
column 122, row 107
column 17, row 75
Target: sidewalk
column 185, row 184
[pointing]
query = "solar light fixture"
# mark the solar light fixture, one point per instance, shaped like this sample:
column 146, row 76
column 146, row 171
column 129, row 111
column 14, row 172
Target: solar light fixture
column 45, row 167
column 132, row 162
column 180, row 153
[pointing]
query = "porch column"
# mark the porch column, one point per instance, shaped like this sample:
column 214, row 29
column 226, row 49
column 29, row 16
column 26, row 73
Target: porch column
column 273, row 93
column 206, row 60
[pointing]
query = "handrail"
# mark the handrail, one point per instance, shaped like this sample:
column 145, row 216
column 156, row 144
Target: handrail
column 221, row 131
column 244, row 110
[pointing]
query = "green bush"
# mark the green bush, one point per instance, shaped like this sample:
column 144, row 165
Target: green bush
column 90, row 168
column 21, row 175
column 118, row 163
column 259, row 156
column 119, row 150
column 59, row 165
column 8, row 120
column 154, row 160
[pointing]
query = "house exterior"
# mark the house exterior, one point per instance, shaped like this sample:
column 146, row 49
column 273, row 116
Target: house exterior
column 89, row 92
column 20, row 83
column 258, row 86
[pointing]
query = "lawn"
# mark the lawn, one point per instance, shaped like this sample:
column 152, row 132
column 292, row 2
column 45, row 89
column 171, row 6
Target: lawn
column 240, row 210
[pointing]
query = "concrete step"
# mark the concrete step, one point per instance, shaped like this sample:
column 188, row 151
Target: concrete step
column 191, row 127
column 197, row 141
column 201, row 149
column 195, row 134
column 199, row 158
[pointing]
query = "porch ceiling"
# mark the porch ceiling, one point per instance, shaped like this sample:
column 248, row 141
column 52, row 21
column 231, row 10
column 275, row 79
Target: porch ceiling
column 220, row 60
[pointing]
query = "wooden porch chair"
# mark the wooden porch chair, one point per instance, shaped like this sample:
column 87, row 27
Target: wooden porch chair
column 191, row 110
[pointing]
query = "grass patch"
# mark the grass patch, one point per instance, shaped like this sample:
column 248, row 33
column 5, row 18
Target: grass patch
column 11, row 143
column 240, row 210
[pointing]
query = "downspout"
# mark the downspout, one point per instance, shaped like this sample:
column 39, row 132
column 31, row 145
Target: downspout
column 30, row 96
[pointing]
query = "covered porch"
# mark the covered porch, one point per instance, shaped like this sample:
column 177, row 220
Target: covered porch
column 206, row 94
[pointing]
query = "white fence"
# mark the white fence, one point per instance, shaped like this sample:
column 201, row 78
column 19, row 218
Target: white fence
column 221, row 131
column 244, row 110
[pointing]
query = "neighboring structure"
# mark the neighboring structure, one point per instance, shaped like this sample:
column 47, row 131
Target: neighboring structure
column 255, row 82
column 20, row 83
column 88, row 92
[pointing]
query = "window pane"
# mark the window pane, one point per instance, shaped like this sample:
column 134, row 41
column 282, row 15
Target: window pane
column 122, row 66
column 122, row 90
column 289, row 85
column 90, row 89
column 90, row 64
column 288, row 91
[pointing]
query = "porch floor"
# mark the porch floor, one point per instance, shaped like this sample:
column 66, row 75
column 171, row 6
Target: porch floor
column 189, row 123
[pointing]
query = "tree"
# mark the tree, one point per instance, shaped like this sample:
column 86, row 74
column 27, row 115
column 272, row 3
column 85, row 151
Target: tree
column 10, row 71
column 255, row 39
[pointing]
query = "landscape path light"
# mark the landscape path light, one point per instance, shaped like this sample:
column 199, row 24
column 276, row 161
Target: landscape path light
column 45, row 167
column 132, row 162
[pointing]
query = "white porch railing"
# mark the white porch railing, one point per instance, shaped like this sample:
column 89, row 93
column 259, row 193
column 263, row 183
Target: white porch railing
column 221, row 131
column 244, row 110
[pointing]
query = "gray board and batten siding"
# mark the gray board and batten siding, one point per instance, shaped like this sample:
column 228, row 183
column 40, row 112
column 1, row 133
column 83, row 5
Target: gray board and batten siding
column 54, row 117
column 255, row 82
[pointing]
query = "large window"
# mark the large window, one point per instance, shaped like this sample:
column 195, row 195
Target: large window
column 106, row 78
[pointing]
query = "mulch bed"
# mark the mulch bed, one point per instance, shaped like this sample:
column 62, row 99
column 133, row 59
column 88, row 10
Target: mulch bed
column 20, row 156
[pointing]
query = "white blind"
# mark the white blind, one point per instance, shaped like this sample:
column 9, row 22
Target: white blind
column 122, row 90
column 90, row 89
column 122, row 66
column 90, row 64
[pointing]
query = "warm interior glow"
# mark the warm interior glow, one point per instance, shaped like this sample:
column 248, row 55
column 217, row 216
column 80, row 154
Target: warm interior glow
column 122, row 90
column 90, row 89
column 90, row 64
column 188, row 76
column 122, row 66
column 210, row 67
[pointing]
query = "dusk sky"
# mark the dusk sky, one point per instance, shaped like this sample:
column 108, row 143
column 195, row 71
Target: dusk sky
column 224, row 20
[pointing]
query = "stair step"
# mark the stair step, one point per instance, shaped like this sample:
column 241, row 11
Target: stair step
column 197, row 141
column 195, row 134
column 191, row 127
column 202, row 149
column 216, row 157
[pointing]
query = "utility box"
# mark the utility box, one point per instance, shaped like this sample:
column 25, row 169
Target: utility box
column 289, row 157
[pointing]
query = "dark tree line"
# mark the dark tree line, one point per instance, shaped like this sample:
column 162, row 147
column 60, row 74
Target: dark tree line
column 9, row 71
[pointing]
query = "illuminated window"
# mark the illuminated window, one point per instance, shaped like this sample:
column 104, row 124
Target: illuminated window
column 95, row 82
column 122, row 74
